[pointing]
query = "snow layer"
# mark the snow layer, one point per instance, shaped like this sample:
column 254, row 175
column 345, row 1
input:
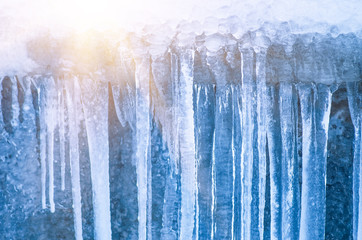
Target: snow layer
column 25, row 23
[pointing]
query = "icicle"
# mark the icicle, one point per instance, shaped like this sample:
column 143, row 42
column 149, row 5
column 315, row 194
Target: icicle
column 95, row 105
column 236, row 150
column 281, row 130
column 142, row 140
column 261, row 145
column 187, row 144
column 15, row 108
column 123, row 91
column 27, row 159
column 162, row 94
column 204, row 134
column 46, row 100
column 223, row 154
column 355, row 108
column 50, row 125
column 174, row 144
column 274, row 140
column 43, row 162
column 61, row 120
column 252, row 166
column 50, row 158
column 247, row 141
column 171, row 212
column 223, row 163
column 6, row 115
column 289, row 161
column 116, row 91
column 42, row 136
column 28, row 112
column 315, row 104
column 161, row 107
column 73, row 103
column 46, row 97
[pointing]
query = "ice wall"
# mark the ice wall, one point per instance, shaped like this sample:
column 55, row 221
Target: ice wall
column 219, row 137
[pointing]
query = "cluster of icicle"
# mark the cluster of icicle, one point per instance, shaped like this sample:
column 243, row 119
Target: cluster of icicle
column 251, row 88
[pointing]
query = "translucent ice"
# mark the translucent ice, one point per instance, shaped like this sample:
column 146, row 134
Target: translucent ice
column 211, row 120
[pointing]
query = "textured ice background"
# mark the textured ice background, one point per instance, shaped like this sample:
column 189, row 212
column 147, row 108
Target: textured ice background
column 40, row 24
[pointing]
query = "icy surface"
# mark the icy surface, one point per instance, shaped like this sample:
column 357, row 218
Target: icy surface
column 190, row 120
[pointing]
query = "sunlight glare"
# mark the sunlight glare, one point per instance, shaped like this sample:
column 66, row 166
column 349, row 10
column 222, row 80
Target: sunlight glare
column 97, row 14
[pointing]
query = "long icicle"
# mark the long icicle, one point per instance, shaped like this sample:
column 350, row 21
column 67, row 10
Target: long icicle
column 315, row 101
column 261, row 91
column 247, row 140
column 187, row 145
column 15, row 108
column 224, row 155
column 274, row 149
column 50, row 119
column 252, row 165
column 95, row 104
column 61, row 120
column 171, row 212
column 42, row 137
column 142, row 140
column 73, row 103
column 289, row 161
column 355, row 108
column 204, row 132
